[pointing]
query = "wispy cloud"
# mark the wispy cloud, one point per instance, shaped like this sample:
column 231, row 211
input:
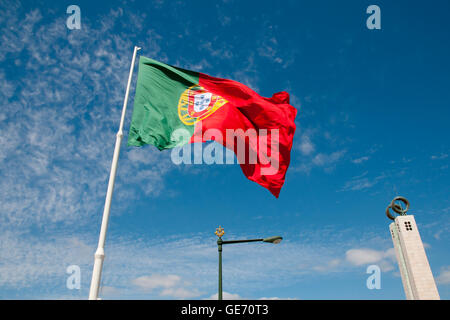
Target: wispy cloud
column 173, row 267
column 170, row 285
column 269, row 46
column 217, row 49
column 326, row 161
column 149, row 283
column 444, row 277
column 361, row 182
column 439, row 157
column 360, row 160
column 329, row 265
column 225, row 296
column 58, row 128
column 323, row 159
column 306, row 146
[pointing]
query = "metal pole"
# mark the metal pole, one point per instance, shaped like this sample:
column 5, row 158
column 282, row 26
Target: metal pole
column 100, row 253
column 241, row 241
column 219, row 244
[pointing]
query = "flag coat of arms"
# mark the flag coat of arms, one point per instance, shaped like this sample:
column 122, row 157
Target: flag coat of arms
column 169, row 98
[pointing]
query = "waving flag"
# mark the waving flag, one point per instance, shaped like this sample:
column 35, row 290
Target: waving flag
column 170, row 99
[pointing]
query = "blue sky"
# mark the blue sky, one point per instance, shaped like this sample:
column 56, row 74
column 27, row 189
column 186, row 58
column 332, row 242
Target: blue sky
column 373, row 123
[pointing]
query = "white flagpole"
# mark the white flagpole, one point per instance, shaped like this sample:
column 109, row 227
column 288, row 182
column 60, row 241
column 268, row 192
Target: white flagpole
column 100, row 253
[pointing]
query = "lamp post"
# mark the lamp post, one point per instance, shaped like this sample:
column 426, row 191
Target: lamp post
column 219, row 233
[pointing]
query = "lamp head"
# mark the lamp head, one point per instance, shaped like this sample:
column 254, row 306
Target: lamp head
column 274, row 240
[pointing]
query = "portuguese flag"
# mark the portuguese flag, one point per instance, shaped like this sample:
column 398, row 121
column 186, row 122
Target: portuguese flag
column 258, row 130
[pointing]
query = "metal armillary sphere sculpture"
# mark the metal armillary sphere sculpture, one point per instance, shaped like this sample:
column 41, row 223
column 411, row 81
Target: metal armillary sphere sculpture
column 396, row 206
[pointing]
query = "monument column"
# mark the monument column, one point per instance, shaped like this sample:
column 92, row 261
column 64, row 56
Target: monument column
column 417, row 278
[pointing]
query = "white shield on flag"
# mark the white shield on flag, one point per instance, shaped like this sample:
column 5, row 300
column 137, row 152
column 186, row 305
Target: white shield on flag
column 202, row 101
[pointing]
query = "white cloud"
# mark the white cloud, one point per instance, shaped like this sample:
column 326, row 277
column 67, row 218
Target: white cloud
column 171, row 286
column 306, row 146
column 199, row 65
column 328, row 266
column 360, row 257
column 365, row 256
column 248, row 75
column 358, row 184
column 109, row 291
column 444, row 276
column 225, row 296
column 156, row 281
column 361, row 182
column 27, row 259
column 180, row 293
column 360, row 160
column 235, row 296
column 323, row 159
column 268, row 46
column 439, row 157
column 217, row 50
column 276, row 298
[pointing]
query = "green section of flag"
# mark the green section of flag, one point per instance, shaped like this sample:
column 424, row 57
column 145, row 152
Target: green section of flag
column 155, row 112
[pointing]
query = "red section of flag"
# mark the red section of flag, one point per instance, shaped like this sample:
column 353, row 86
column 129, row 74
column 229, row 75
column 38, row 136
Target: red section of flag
column 248, row 111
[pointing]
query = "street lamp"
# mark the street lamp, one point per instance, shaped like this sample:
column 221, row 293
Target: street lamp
column 220, row 232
